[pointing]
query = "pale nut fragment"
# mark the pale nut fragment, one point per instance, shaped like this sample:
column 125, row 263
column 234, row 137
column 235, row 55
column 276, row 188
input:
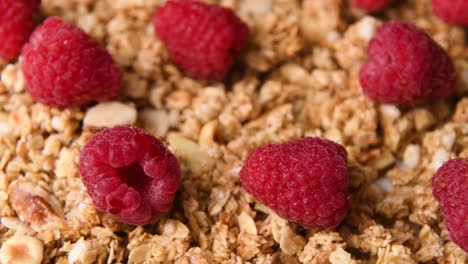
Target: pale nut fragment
column 13, row 223
column 319, row 18
column 110, row 114
column 411, row 156
column 207, row 133
column 290, row 242
column 155, row 122
column 246, row 224
column 140, row 254
column 219, row 196
column 257, row 6
column 439, row 158
column 297, row 75
column 21, row 249
column 340, row 256
column 35, row 206
column 13, row 78
column 5, row 126
column 82, row 253
column 191, row 153
column 175, row 229
column 389, row 111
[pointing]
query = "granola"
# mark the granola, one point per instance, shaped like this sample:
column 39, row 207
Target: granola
column 300, row 79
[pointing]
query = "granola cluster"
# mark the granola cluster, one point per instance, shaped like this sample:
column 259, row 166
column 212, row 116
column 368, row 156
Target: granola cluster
column 300, row 78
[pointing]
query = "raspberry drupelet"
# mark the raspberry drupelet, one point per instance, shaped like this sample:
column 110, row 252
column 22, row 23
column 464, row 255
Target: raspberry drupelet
column 63, row 66
column 17, row 21
column 450, row 188
column 451, row 11
column 304, row 181
column 202, row 39
column 406, row 67
column 371, row 5
column 129, row 174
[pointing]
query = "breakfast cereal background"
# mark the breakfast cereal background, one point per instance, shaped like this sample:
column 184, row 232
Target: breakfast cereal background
column 298, row 77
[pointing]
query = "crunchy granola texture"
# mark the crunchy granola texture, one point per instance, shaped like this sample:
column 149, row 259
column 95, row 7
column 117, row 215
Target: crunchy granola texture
column 300, row 78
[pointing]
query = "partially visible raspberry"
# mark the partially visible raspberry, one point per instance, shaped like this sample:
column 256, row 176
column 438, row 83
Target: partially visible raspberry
column 451, row 11
column 450, row 188
column 405, row 66
column 201, row 38
column 305, row 180
column 371, row 5
column 129, row 174
column 63, row 66
column 17, row 20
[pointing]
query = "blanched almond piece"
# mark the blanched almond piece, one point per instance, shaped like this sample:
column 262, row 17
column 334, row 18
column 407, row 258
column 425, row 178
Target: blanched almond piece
column 191, row 153
column 155, row 122
column 82, row 253
column 246, row 223
column 21, row 249
column 110, row 114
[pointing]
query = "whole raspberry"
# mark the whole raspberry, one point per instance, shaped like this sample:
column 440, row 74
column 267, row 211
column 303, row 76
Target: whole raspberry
column 129, row 174
column 63, row 66
column 405, row 66
column 371, row 5
column 201, row 38
column 451, row 11
column 305, row 180
column 17, row 21
column 450, row 188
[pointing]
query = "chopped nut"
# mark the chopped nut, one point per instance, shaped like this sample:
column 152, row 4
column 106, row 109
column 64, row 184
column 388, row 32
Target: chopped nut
column 320, row 19
column 207, row 133
column 13, row 78
column 179, row 100
column 411, row 156
column 175, row 229
column 110, row 114
column 340, row 256
column 246, row 223
column 155, row 122
column 195, row 157
column 82, row 253
column 140, row 254
column 22, row 249
column 35, row 206
column 290, row 243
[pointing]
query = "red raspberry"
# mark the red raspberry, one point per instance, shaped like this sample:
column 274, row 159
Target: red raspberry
column 63, row 66
column 129, row 174
column 201, row 38
column 305, row 180
column 451, row 11
column 17, row 21
column 450, row 188
column 371, row 5
column 405, row 66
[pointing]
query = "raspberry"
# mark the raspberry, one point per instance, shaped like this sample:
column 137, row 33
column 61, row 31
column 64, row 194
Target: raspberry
column 63, row 66
column 201, row 38
column 17, row 21
column 129, row 174
column 451, row 11
column 405, row 66
column 450, row 188
column 305, row 180
column 371, row 5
